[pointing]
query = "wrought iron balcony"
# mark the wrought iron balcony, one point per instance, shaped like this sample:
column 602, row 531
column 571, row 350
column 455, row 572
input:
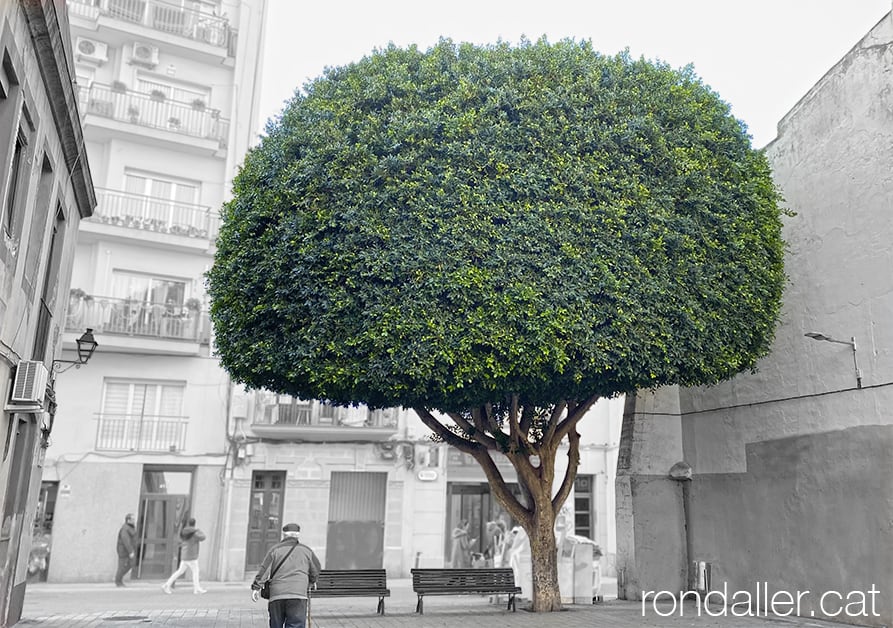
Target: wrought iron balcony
column 292, row 419
column 154, row 214
column 187, row 23
column 126, row 317
column 135, row 432
column 154, row 111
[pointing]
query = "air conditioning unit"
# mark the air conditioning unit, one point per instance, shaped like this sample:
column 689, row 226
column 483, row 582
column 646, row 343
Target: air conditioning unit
column 91, row 51
column 30, row 383
column 144, row 55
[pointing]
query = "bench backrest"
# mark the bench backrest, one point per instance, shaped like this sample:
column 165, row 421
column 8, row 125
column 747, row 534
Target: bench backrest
column 462, row 578
column 351, row 579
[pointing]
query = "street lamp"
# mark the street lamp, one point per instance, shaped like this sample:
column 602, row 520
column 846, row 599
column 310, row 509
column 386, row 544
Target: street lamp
column 851, row 342
column 86, row 346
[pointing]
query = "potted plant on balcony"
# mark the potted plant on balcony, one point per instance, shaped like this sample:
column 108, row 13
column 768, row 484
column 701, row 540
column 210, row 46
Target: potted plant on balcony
column 133, row 113
column 193, row 305
column 199, row 105
column 119, row 87
column 174, row 123
column 157, row 95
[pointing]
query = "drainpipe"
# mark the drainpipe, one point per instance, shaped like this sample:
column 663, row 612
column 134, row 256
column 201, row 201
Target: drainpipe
column 681, row 473
column 225, row 497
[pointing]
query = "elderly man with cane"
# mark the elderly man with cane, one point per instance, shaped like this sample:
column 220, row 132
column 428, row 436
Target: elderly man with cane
column 285, row 574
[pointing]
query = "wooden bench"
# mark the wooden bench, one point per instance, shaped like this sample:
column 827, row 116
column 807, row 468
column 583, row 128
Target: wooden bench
column 464, row 582
column 352, row 583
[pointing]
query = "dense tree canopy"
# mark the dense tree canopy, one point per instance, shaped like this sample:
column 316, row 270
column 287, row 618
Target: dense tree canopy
column 503, row 234
column 446, row 228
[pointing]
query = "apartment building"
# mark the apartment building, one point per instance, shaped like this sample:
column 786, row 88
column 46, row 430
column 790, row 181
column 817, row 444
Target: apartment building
column 45, row 191
column 153, row 426
column 166, row 92
column 371, row 489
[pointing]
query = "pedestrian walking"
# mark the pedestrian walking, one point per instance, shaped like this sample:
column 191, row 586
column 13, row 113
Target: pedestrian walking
column 126, row 548
column 190, row 538
column 289, row 568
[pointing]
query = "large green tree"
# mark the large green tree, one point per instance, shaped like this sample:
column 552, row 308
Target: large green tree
column 497, row 237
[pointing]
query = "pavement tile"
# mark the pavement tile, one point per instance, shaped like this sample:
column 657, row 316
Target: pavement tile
column 228, row 605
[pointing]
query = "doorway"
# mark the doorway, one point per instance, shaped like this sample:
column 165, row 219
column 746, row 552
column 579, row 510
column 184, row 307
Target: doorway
column 164, row 509
column 265, row 519
column 473, row 502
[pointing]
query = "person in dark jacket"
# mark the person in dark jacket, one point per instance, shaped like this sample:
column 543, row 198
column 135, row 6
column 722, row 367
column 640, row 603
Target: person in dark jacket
column 126, row 549
column 190, row 537
column 288, row 587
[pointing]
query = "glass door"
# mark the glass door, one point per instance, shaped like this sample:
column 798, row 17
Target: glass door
column 164, row 508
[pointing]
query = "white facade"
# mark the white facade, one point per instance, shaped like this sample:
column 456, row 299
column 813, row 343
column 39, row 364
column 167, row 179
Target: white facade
column 46, row 191
column 153, row 426
column 167, row 97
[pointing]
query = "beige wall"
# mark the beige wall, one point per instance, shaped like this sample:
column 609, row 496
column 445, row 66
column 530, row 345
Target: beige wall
column 792, row 480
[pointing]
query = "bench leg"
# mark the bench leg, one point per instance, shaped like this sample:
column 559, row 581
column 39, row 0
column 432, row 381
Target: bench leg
column 380, row 608
column 418, row 606
column 511, row 605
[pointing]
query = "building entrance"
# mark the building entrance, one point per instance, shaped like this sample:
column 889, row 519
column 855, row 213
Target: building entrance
column 265, row 523
column 473, row 502
column 164, row 509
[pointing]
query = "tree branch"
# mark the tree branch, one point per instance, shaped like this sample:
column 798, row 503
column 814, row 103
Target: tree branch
column 515, row 427
column 573, row 461
column 557, row 409
column 573, row 417
column 500, row 489
column 479, row 431
column 490, row 421
column 526, row 420
column 449, row 437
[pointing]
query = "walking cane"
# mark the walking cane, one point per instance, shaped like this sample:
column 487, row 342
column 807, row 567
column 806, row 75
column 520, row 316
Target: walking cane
column 309, row 597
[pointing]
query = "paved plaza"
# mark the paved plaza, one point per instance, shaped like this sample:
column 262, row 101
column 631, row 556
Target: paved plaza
column 228, row 605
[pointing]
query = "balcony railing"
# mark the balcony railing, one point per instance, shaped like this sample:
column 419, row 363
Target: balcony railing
column 134, row 432
column 155, row 214
column 161, row 16
column 126, row 317
column 320, row 414
column 194, row 120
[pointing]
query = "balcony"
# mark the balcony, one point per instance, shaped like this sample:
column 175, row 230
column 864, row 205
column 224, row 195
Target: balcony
column 186, row 24
column 156, row 215
column 140, row 433
column 154, row 111
column 285, row 418
column 126, row 317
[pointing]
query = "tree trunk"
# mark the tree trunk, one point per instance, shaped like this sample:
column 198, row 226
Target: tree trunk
column 536, row 511
column 544, row 555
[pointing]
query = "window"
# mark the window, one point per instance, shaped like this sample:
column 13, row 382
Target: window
column 15, row 174
column 287, row 410
column 148, row 289
column 584, row 516
column 142, row 416
column 173, row 90
column 141, row 399
column 12, row 140
column 161, row 187
column 38, row 225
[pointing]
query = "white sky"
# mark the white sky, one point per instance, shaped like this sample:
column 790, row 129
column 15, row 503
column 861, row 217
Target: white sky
column 761, row 56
